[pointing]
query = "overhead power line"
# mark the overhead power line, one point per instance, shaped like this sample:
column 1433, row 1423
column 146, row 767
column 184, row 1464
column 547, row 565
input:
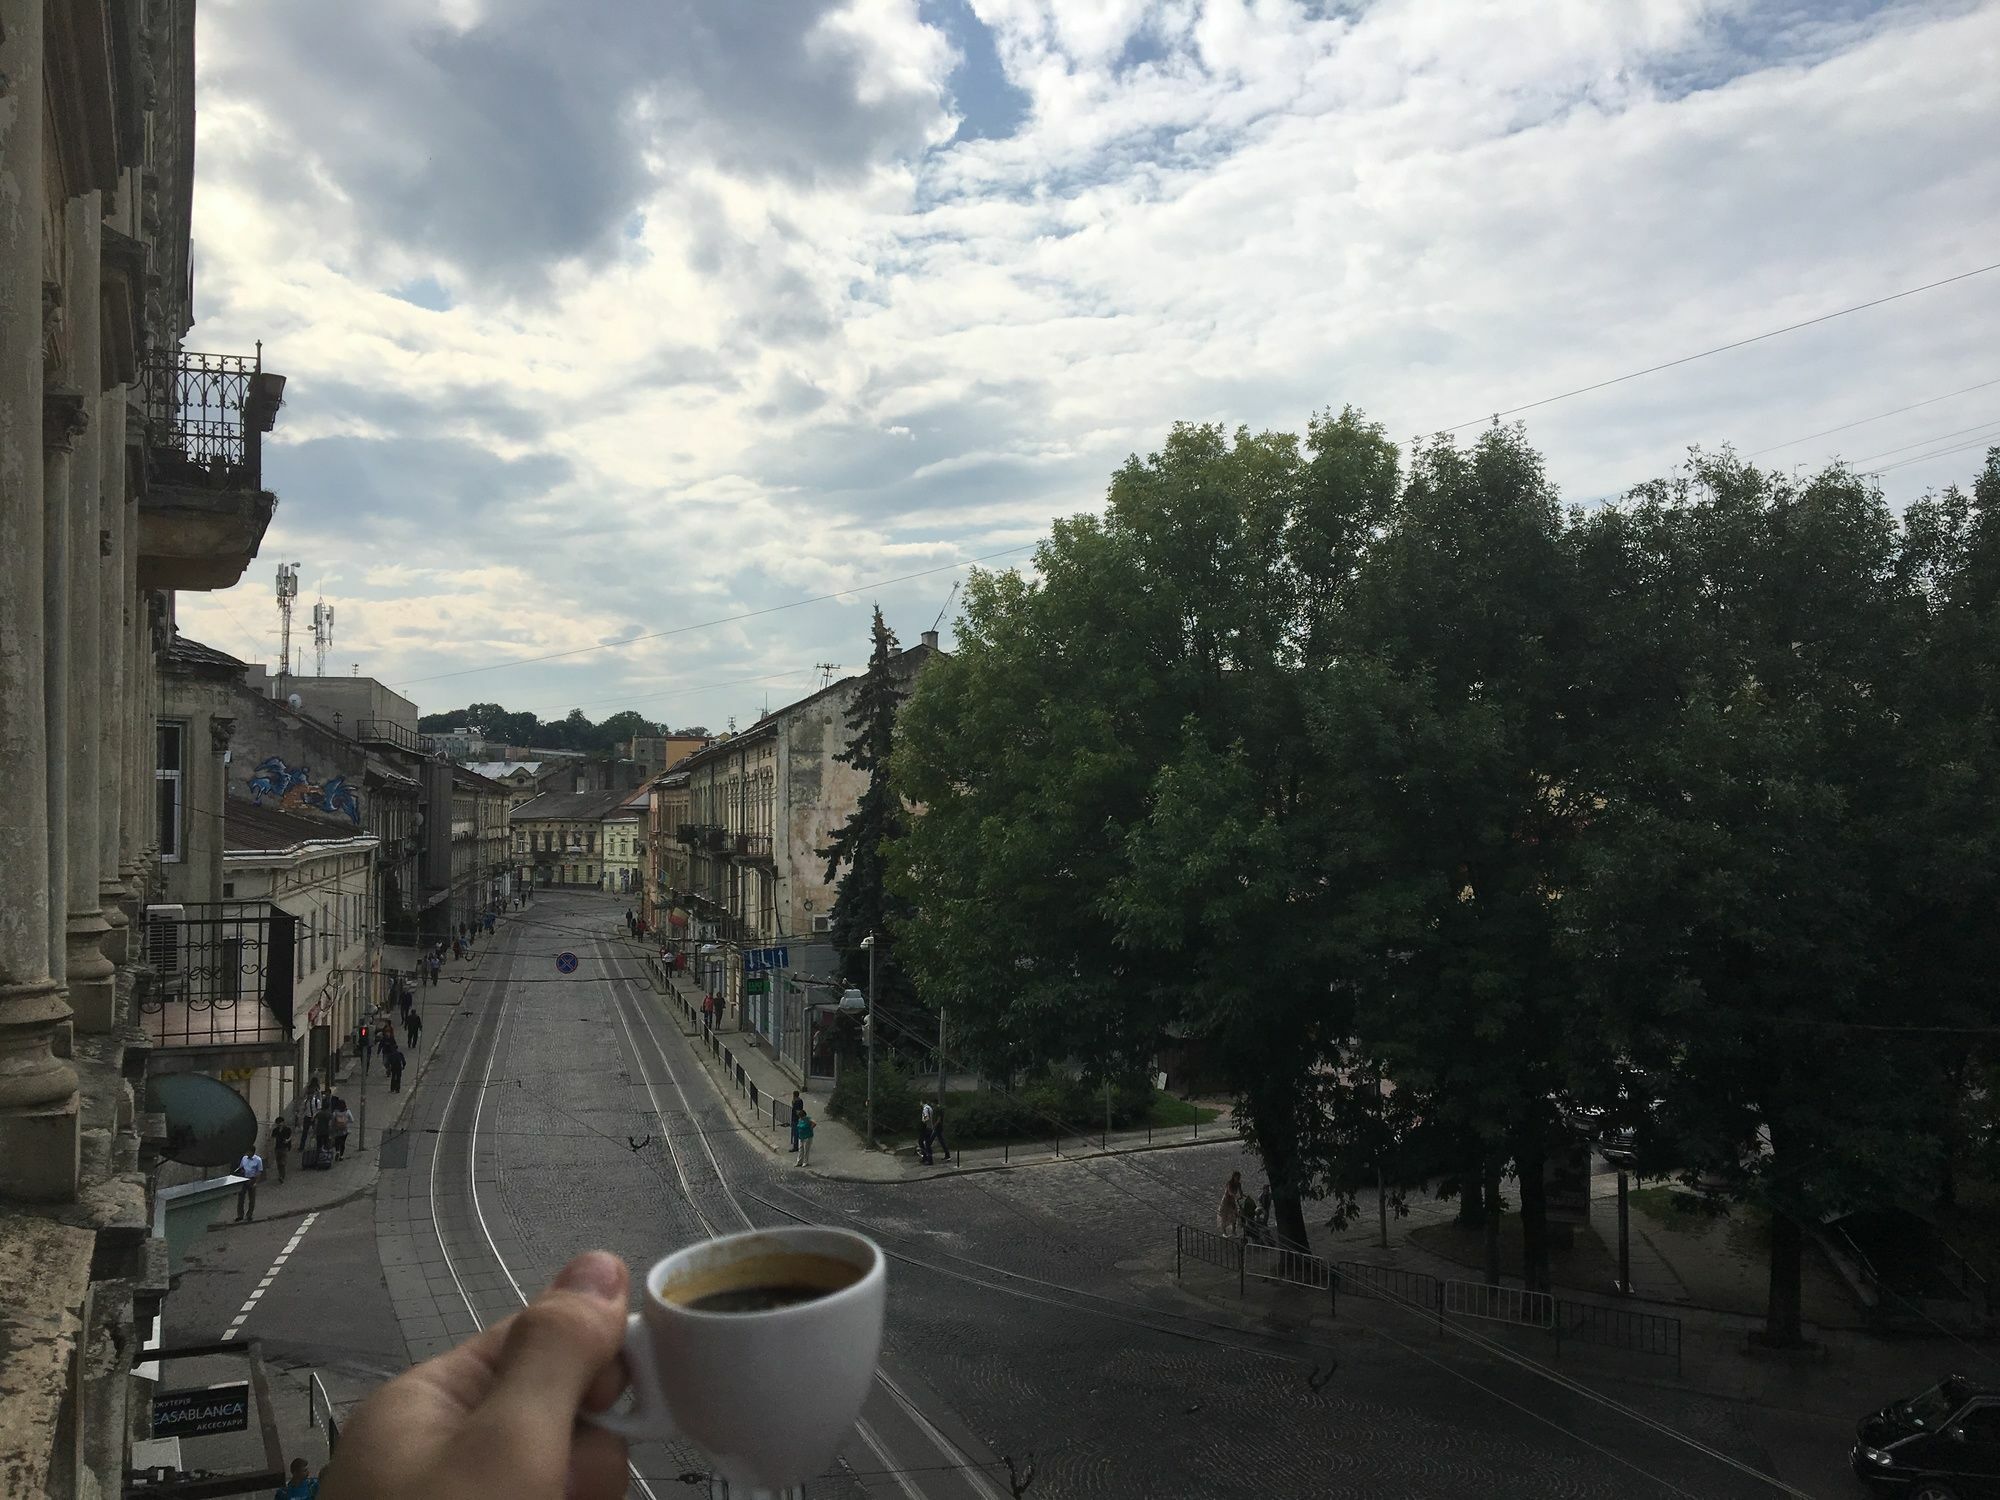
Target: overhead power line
column 1685, row 359
column 1989, row 423
column 1864, row 421
column 751, row 614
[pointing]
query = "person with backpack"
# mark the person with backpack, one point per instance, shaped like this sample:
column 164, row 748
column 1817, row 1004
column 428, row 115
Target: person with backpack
column 798, row 1114
column 803, row 1129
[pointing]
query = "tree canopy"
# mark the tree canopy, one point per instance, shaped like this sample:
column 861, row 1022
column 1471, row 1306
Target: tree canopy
column 1444, row 827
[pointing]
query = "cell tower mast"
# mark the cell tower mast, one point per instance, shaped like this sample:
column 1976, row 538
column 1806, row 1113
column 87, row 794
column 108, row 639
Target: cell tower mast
column 322, row 636
column 288, row 590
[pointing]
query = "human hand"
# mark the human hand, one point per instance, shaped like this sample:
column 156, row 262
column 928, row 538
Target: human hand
column 497, row 1416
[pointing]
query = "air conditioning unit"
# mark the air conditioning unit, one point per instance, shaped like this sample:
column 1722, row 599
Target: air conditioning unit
column 823, row 924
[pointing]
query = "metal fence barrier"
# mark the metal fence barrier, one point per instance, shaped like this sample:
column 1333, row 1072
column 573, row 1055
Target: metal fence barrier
column 1627, row 1330
column 1500, row 1304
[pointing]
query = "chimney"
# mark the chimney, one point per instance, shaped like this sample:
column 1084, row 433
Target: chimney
column 930, row 639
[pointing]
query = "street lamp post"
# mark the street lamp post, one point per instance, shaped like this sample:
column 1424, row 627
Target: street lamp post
column 868, row 1026
column 1621, row 1155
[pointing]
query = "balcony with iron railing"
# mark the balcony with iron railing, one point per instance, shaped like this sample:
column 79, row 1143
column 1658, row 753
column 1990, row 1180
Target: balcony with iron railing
column 205, row 508
column 399, row 736
column 754, row 847
column 218, row 978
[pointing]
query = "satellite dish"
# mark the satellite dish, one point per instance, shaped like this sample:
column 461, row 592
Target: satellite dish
column 208, row 1122
column 296, row 701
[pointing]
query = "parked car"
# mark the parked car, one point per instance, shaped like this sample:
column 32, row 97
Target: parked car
column 1941, row 1445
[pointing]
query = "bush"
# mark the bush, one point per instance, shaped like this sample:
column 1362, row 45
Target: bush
column 1040, row 1109
column 897, row 1102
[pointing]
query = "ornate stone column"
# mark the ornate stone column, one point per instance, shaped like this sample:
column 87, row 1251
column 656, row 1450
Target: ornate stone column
column 88, row 972
column 39, row 1117
column 112, row 773
column 63, row 422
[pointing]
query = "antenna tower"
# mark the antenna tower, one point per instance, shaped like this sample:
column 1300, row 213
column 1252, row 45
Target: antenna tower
column 288, row 590
column 322, row 636
column 826, row 671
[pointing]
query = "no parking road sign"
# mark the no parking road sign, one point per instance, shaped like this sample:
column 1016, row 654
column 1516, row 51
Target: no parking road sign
column 566, row 963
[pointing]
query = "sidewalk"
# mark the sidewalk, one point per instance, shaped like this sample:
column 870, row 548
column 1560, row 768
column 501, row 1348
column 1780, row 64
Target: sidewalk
column 376, row 1110
column 759, row 1093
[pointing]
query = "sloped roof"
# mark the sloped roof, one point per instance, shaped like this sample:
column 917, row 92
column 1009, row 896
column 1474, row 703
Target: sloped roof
column 568, row 807
column 249, row 828
column 186, row 654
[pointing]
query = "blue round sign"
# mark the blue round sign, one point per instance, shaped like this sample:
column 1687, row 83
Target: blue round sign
column 566, row 962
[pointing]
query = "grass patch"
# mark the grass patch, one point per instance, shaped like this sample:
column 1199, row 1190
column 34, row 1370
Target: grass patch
column 1166, row 1110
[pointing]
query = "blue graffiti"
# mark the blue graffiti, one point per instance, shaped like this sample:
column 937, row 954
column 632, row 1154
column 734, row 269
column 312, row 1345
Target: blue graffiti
column 292, row 787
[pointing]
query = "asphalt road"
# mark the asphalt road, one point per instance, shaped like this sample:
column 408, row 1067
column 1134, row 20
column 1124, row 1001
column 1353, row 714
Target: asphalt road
column 1032, row 1313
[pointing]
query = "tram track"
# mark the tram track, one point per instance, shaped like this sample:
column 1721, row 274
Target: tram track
column 947, row 1470
column 492, row 1014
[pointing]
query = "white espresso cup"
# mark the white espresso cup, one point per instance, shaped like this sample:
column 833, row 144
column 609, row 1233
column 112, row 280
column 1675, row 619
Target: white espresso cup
column 758, row 1348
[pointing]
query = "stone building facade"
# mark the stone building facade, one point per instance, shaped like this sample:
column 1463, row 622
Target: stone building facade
column 129, row 470
column 559, row 837
column 761, row 805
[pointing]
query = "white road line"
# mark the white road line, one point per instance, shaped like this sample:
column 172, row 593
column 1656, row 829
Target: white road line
column 269, row 1276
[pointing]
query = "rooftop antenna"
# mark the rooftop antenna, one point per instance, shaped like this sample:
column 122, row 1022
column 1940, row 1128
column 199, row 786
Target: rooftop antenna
column 826, row 671
column 288, row 590
column 322, row 636
column 947, row 605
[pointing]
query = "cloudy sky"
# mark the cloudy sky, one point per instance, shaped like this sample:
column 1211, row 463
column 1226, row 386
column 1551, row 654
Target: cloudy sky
column 605, row 317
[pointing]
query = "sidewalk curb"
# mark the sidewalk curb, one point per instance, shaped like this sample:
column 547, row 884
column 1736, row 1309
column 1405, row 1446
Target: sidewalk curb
column 754, row 1129
column 371, row 1179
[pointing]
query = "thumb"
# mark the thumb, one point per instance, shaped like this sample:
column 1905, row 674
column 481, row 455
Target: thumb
column 561, row 1341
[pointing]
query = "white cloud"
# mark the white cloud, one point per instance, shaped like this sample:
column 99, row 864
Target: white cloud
column 782, row 335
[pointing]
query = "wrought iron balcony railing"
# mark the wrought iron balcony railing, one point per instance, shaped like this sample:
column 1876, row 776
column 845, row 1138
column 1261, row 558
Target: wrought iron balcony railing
column 389, row 732
column 207, row 414
column 754, row 846
column 219, row 975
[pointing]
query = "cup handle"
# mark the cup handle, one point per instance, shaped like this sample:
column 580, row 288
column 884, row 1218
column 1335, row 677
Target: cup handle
column 648, row 1420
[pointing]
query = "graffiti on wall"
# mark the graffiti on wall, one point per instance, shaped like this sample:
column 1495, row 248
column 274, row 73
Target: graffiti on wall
column 292, row 788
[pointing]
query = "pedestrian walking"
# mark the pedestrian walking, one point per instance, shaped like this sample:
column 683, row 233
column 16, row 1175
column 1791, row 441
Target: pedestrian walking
column 413, row 1026
column 798, row 1114
column 394, row 1063
column 281, row 1144
column 249, row 1167
column 924, row 1136
column 803, row 1129
column 364, row 1046
column 631, row 923
column 1229, row 1212
column 342, row 1122
column 437, row 963
column 301, row 1485
column 490, row 920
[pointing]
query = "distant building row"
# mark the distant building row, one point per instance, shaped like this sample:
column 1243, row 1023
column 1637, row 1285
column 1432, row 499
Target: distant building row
column 734, row 858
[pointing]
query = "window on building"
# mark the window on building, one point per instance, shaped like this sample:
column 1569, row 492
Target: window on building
column 168, row 770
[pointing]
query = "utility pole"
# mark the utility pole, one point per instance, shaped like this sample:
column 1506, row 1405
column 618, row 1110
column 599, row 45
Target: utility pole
column 869, row 1026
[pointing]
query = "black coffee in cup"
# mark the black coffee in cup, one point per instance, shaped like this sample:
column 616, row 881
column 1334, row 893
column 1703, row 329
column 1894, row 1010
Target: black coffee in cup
column 761, row 1283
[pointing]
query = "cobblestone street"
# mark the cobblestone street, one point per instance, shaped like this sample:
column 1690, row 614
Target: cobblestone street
column 1033, row 1313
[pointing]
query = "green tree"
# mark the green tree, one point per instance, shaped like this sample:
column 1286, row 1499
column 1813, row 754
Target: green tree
column 1124, row 843
column 864, row 904
column 1735, row 900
